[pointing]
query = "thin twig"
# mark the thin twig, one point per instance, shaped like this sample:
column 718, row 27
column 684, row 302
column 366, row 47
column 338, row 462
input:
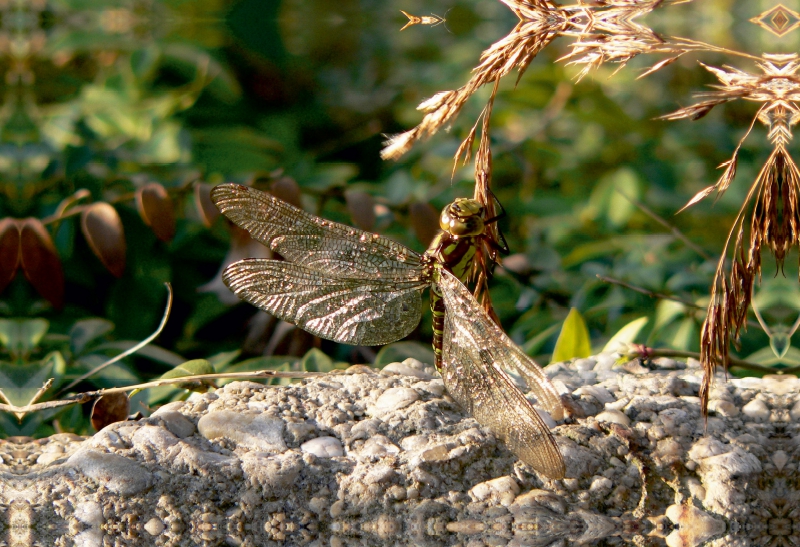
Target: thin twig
column 647, row 292
column 677, row 233
column 129, row 351
column 734, row 362
column 90, row 395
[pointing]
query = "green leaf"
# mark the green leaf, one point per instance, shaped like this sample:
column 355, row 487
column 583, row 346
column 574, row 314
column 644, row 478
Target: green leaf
column 400, row 351
column 150, row 351
column 273, row 362
column 21, row 336
column 222, row 360
column 21, row 382
column 86, row 331
column 666, row 312
column 573, row 341
column 190, row 368
column 626, row 335
column 780, row 342
column 766, row 357
column 686, row 336
column 316, row 361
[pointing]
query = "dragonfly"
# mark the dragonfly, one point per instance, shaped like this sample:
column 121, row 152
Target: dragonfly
column 355, row 287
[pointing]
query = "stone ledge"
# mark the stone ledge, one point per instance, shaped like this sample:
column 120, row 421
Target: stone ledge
column 367, row 457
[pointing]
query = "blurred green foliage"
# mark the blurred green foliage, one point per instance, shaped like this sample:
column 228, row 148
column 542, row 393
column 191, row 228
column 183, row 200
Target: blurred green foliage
column 108, row 96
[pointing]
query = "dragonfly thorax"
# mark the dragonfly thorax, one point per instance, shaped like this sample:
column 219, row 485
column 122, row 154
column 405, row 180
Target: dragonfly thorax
column 463, row 217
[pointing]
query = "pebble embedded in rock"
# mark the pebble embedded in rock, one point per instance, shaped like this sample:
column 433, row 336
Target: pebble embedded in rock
column 705, row 447
column 254, row 431
column 583, row 364
column 614, row 417
column 794, row 414
column 756, row 410
column 598, row 392
column 407, row 370
column 780, row 459
column 668, row 451
column 379, row 445
column 601, row 484
column 323, row 447
column 672, row 419
column 177, row 423
column 394, row 398
column 154, row 526
column 90, row 513
column 723, row 407
column 502, row 489
column 118, row 474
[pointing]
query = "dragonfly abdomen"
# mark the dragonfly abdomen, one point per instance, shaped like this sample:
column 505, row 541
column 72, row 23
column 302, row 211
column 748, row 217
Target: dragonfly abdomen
column 438, row 311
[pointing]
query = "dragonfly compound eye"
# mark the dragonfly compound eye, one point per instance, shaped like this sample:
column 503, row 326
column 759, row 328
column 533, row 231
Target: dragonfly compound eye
column 463, row 217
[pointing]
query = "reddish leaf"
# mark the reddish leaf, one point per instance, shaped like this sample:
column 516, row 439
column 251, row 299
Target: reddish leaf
column 102, row 228
column 202, row 200
column 109, row 409
column 9, row 251
column 286, row 188
column 155, row 208
column 361, row 207
column 425, row 220
column 40, row 262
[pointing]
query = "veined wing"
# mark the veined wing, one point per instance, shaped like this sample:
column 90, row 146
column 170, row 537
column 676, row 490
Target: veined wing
column 306, row 239
column 367, row 312
column 475, row 350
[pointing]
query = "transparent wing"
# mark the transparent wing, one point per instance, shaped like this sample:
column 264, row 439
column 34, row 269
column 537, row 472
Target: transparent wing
column 312, row 241
column 367, row 312
column 475, row 350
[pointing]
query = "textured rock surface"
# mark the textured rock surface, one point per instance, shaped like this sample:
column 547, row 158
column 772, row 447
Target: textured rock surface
column 370, row 458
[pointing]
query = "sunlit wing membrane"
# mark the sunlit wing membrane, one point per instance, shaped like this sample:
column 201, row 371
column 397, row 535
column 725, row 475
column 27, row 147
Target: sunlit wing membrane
column 350, row 257
column 474, row 353
column 359, row 311
column 310, row 240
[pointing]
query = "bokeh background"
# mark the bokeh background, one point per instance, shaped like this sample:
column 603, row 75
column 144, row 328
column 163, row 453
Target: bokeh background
column 146, row 104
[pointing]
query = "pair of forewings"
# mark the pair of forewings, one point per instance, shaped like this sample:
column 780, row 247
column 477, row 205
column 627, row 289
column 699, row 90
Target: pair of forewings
column 355, row 287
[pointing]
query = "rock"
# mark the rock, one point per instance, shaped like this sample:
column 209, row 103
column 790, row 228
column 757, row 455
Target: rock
column 757, row 410
column 254, row 431
column 393, row 399
column 614, row 417
column 323, row 447
column 116, row 473
column 366, row 457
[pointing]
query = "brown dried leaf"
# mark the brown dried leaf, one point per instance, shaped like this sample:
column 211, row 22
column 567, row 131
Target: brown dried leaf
column 102, row 228
column 155, row 208
column 425, row 221
column 361, row 207
column 287, row 189
column 9, row 251
column 40, row 262
column 202, row 200
column 109, row 409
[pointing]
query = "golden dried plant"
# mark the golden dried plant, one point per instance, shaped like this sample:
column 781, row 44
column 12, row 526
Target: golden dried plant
column 771, row 203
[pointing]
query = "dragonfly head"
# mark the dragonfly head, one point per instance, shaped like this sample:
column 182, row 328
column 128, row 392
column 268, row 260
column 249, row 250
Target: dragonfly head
column 463, row 217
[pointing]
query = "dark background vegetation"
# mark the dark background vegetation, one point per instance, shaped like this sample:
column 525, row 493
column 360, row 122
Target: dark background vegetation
column 110, row 96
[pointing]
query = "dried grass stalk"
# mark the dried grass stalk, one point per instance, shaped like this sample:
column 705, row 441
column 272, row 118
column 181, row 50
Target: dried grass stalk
column 771, row 204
